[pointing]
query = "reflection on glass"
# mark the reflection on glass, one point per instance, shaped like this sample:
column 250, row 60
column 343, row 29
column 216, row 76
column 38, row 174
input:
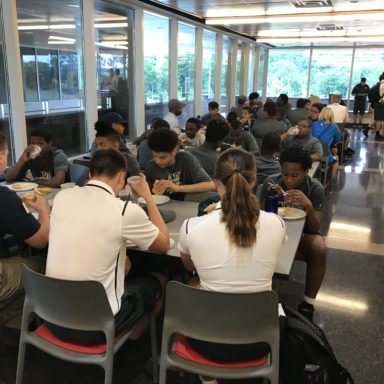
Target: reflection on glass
column 240, row 50
column 251, row 72
column 208, row 73
column 156, row 66
column 52, row 70
column 330, row 76
column 224, row 75
column 261, row 72
column 294, row 82
column 186, row 69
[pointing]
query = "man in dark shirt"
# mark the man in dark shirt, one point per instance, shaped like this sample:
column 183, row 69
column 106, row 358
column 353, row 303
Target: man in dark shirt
column 245, row 140
column 360, row 91
column 15, row 220
column 296, row 188
column 172, row 172
column 48, row 167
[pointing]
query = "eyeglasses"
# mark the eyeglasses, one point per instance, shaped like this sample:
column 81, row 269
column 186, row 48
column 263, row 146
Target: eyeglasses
column 303, row 126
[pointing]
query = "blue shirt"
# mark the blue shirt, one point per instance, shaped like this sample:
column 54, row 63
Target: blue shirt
column 326, row 133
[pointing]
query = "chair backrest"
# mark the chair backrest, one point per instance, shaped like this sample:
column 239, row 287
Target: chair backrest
column 81, row 305
column 78, row 174
column 232, row 318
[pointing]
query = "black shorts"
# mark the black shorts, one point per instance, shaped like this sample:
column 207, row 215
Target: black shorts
column 139, row 297
column 359, row 107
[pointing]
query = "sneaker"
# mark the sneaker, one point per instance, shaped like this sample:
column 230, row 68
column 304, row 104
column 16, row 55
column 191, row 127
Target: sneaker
column 306, row 310
column 207, row 380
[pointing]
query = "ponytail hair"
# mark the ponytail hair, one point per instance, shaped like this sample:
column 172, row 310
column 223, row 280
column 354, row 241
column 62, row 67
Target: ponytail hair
column 236, row 168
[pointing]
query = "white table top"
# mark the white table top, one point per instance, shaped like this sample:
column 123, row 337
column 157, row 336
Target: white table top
column 185, row 210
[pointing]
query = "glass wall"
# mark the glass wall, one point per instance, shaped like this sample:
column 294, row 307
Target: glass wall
column 251, row 70
column 330, row 76
column 208, row 72
column 224, row 74
column 52, row 70
column 288, row 72
column 186, row 70
column 156, row 66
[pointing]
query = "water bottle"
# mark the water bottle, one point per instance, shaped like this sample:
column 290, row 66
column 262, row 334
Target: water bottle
column 271, row 203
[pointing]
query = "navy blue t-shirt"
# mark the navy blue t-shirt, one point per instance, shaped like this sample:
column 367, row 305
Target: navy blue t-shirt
column 14, row 219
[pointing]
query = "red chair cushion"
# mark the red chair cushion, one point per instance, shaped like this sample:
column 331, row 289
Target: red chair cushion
column 300, row 256
column 95, row 349
column 184, row 350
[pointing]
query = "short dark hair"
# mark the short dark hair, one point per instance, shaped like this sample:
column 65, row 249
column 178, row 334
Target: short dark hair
column 231, row 117
column 318, row 106
column 193, row 120
column 270, row 143
column 270, row 107
column 300, row 103
column 253, row 95
column 213, row 105
column 162, row 140
column 296, row 154
column 236, row 125
column 109, row 133
column 217, row 130
column 102, row 125
column 107, row 162
column 283, row 97
column 363, row 79
column 160, row 123
column 38, row 132
column 3, row 141
column 247, row 108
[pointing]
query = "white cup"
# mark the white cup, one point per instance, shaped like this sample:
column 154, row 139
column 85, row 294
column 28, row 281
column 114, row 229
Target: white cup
column 67, row 185
column 134, row 180
column 125, row 194
column 35, row 151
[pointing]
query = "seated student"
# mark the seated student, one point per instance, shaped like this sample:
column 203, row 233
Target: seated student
column 283, row 104
column 280, row 116
column 172, row 172
column 207, row 153
column 192, row 136
column 296, row 188
column 213, row 113
column 93, row 246
column 235, row 247
column 267, row 164
column 255, row 104
column 247, row 119
column 48, row 168
column 238, row 109
column 305, row 140
column 15, row 220
column 316, row 108
column 116, row 122
column 302, row 111
column 144, row 153
column 238, row 137
column 108, row 138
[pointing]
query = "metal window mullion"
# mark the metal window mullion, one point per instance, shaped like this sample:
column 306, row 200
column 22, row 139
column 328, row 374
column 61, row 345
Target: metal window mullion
column 351, row 73
column 219, row 63
column 173, row 58
column 231, row 87
column 198, row 69
column 256, row 69
column 37, row 76
column 59, row 74
column 265, row 73
column 244, row 70
column 309, row 70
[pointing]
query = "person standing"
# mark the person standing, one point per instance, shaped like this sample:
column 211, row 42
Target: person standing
column 175, row 109
column 379, row 111
column 360, row 91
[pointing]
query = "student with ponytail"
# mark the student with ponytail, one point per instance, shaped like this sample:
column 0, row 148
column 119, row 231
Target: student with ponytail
column 235, row 247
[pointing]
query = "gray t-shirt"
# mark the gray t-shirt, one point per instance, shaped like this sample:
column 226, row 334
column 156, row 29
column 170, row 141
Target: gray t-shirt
column 295, row 115
column 266, row 166
column 206, row 156
column 144, row 154
column 264, row 126
column 132, row 164
column 310, row 144
column 206, row 119
column 186, row 170
column 247, row 142
column 311, row 188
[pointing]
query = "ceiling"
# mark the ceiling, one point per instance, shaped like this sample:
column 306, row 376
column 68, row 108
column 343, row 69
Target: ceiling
column 293, row 23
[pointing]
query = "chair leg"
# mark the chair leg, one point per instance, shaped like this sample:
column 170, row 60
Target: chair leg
column 163, row 374
column 108, row 369
column 155, row 360
column 20, row 362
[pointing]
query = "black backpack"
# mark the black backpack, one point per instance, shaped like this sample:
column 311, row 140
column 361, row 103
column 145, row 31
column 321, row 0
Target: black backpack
column 305, row 353
column 374, row 94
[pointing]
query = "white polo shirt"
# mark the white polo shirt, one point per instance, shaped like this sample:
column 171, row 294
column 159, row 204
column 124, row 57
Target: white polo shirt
column 340, row 112
column 224, row 267
column 173, row 122
column 88, row 236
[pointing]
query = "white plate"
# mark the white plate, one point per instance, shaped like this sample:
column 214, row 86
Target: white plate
column 159, row 199
column 23, row 186
column 290, row 213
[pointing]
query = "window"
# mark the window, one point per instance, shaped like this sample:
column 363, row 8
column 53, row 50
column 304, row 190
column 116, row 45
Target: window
column 208, row 73
column 294, row 81
column 52, row 70
column 156, row 66
column 225, row 75
column 330, row 76
column 186, row 69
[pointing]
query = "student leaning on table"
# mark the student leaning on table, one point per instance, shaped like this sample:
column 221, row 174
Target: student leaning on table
column 296, row 188
column 234, row 248
column 89, row 231
column 15, row 220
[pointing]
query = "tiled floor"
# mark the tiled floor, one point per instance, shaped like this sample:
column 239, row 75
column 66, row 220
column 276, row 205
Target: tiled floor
column 350, row 305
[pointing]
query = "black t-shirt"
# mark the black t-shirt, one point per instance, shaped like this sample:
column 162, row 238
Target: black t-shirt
column 14, row 219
